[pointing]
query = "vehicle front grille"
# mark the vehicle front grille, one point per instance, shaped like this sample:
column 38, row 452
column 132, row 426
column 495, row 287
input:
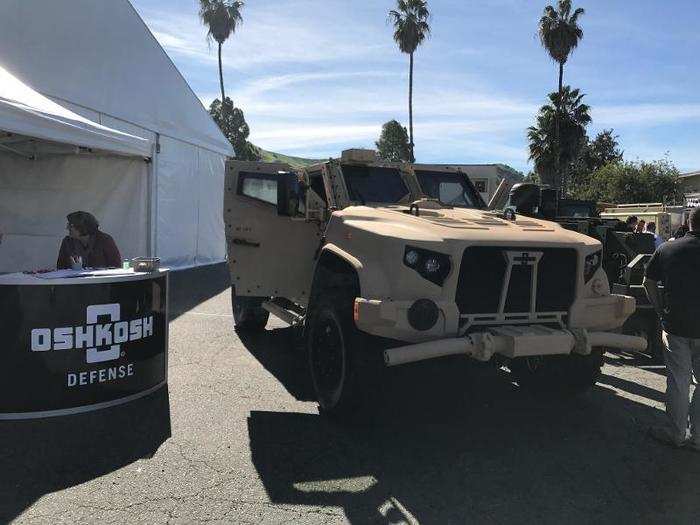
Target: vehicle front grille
column 484, row 269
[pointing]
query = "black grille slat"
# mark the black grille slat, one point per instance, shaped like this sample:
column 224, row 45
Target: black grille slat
column 483, row 271
column 518, row 298
column 481, row 277
column 556, row 288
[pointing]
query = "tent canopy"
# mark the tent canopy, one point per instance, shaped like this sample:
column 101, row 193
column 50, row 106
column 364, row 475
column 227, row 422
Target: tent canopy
column 100, row 55
column 96, row 68
column 26, row 112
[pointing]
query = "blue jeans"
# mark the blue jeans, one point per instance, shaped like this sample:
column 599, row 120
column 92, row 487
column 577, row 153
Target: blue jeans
column 682, row 356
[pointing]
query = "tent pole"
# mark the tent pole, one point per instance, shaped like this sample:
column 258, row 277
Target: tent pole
column 153, row 200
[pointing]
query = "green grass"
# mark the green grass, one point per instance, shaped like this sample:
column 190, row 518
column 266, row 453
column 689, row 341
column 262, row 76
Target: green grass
column 295, row 162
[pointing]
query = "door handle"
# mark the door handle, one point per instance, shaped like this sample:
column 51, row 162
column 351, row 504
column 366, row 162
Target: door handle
column 244, row 242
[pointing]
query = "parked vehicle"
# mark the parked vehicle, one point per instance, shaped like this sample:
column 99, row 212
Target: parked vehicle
column 378, row 274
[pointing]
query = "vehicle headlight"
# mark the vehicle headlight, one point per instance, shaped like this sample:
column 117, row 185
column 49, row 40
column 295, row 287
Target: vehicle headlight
column 591, row 265
column 431, row 265
column 411, row 258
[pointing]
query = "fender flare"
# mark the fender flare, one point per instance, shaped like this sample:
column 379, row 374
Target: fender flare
column 375, row 281
column 342, row 254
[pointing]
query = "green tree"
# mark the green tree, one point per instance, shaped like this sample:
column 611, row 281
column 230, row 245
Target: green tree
column 411, row 28
column 602, row 150
column 594, row 154
column 628, row 182
column 221, row 18
column 547, row 150
column 393, row 143
column 231, row 121
column 560, row 34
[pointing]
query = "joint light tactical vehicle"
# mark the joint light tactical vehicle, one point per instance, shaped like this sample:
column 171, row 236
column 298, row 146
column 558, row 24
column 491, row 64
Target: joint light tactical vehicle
column 385, row 264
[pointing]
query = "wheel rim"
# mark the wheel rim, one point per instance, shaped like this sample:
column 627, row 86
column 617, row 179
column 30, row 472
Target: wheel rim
column 328, row 360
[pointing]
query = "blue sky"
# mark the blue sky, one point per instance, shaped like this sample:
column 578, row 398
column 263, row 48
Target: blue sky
column 317, row 76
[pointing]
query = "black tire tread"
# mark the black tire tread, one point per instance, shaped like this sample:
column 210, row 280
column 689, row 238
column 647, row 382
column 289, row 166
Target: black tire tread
column 363, row 356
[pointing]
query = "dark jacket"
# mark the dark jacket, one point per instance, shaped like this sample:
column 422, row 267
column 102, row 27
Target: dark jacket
column 101, row 252
column 677, row 265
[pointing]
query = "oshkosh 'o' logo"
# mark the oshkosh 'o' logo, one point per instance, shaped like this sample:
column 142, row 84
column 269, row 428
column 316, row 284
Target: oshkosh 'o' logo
column 102, row 340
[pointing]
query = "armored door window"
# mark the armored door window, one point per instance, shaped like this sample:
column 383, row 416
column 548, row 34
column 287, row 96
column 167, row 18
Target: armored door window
column 259, row 186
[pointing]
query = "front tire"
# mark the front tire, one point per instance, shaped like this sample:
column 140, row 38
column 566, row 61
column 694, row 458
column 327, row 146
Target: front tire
column 567, row 374
column 343, row 365
column 248, row 313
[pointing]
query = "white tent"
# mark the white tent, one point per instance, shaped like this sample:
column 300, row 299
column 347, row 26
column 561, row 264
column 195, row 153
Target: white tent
column 25, row 112
column 103, row 86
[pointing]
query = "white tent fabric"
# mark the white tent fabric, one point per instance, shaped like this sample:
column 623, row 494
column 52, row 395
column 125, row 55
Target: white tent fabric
column 97, row 59
column 99, row 54
column 36, row 195
column 25, row 112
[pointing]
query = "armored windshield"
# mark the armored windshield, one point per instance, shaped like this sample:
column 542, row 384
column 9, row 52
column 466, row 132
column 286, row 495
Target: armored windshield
column 450, row 188
column 374, row 184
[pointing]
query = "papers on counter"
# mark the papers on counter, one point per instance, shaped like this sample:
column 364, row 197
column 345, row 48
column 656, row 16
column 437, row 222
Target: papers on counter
column 72, row 274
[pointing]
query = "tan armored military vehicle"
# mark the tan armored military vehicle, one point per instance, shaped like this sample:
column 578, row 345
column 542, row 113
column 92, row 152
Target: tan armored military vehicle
column 385, row 264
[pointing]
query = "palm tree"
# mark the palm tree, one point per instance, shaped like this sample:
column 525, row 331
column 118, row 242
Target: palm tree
column 221, row 18
column 560, row 34
column 411, row 28
column 547, row 147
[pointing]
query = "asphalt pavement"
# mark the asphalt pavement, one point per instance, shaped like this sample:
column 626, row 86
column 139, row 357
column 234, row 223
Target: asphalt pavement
column 236, row 438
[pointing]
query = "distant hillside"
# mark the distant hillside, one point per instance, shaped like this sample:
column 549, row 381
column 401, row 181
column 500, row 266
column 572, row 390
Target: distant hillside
column 295, row 162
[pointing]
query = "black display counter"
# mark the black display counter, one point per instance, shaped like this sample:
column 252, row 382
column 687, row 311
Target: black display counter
column 73, row 342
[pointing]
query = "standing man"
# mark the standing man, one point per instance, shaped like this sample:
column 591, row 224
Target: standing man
column 677, row 265
column 651, row 228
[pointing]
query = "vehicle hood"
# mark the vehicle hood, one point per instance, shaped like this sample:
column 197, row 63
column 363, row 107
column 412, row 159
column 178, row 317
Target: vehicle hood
column 458, row 224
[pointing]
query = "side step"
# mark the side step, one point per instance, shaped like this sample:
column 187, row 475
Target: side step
column 286, row 315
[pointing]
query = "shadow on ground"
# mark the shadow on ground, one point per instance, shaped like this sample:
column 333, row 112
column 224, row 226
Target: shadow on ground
column 279, row 351
column 38, row 457
column 42, row 456
column 191, row 287
column 454, row 440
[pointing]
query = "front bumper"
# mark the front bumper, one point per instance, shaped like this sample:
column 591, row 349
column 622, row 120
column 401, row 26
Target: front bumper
column 390, row 318
column 512, row 342
column 602, row 313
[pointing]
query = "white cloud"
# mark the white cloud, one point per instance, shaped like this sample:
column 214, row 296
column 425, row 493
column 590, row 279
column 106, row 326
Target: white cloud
column 315, row 76
column 267, row 36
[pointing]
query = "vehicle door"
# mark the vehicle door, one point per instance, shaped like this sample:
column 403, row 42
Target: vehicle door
column 270, row 255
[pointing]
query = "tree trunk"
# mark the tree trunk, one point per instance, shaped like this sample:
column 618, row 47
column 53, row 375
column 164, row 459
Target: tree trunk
column 410, row 106
column 221, row 77
column 559, row 177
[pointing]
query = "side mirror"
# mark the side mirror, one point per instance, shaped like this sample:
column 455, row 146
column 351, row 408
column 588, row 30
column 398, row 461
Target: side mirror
column 289, row 194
